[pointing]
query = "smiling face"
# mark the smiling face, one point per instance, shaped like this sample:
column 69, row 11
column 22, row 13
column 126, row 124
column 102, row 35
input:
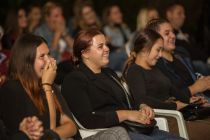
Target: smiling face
column 97, row 55
column 155, row 53
column 42, row 57
column 166, row 31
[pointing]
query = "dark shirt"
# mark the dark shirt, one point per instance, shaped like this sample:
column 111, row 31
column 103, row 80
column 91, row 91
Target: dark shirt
column 152, row 87
column 177, row 72
column 15, row 105
column 93, row 98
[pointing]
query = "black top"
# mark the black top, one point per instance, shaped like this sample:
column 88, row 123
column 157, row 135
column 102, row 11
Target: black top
column 93, row 98
column 178, row 73
column 152, row 87
column 15, row 104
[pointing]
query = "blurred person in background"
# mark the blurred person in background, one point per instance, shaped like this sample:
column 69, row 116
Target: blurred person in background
column 117, row 33
column 186, row 45
column 146, row 14
column 15, row 24
column 84, row 17
column 55, row 32
column 34, row 17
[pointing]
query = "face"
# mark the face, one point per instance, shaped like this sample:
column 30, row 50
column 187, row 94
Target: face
column 42, row 57
column 22, row 20
column 89, row 15
column 155, row 53
column 152, row 14
column 35, row 15
column 177, row 16
column 97, row 54
column 56, row 16
column 166, row 31
column 115, row 15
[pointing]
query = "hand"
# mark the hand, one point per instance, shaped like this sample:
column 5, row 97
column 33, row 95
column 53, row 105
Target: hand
column 49, row 71
column 200, row 85
column 180, row 105
column 138, row 116
column 147, row 110
column 2, row 79
column 198, row 100
column 32, row 127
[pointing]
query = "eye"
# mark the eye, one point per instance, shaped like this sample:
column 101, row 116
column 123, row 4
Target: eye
column 100, row 46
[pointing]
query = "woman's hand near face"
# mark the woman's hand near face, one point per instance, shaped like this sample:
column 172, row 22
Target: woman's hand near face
column 32, row 127
column 49, row 71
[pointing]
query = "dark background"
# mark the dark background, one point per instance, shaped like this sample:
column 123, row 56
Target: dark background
column 197, row 11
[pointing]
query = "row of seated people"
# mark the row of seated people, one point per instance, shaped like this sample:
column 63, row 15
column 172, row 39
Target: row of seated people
column 92, row 92
column 30, row 92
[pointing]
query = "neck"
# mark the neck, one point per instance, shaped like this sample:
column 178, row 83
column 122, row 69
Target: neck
column 92, row 67
column 141, row 61
column 167, row 55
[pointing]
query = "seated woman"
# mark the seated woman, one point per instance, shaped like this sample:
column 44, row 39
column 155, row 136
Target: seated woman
column 95, row 94
column 176, row 67
column 30, row 92
column 147, row 83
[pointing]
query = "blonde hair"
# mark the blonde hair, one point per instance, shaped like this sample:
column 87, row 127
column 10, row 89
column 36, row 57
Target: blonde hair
column 143, row 19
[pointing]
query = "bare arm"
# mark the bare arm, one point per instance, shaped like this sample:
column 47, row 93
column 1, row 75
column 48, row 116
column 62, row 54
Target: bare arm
column 67, row 127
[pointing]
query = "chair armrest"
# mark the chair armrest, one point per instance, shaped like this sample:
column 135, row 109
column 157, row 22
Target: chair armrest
column 180, row 120
column 162, row 123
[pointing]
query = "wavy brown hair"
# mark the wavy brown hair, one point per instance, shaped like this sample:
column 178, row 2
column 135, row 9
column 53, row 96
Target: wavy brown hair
column 21, row 67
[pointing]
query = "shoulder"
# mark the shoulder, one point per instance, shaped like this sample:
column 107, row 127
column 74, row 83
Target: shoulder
column 134, row 68
column 75, row 75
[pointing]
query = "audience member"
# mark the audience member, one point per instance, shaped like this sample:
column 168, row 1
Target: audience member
column 95, row 94
column 84, row 17
column 34, row 17
column 149, row 85
column 118, row 34
column 30, row 91
column 185, row 43
column 55, row 32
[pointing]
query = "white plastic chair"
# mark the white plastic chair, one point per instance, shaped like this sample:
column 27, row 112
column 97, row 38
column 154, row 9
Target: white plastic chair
column 178, row 116
column 84, row 132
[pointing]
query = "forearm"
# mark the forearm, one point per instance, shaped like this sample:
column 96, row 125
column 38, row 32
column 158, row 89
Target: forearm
column 66, row 130
column 122, row 115
column 69, row 40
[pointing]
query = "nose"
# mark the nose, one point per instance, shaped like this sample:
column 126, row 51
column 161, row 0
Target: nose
column 47, row 58
column 172, row 35
column 106, row 48
column 160, row 53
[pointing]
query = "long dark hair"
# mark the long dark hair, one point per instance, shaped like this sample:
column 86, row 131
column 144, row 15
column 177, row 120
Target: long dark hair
column 143, row 39
column 21, row 67
column 82, row 41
